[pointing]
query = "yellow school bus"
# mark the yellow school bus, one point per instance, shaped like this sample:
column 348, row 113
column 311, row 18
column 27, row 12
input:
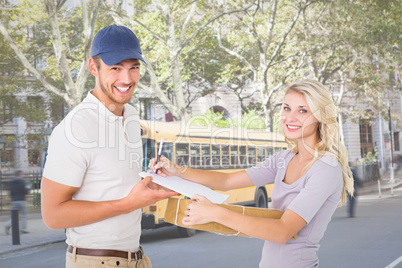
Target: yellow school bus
column 210, row 148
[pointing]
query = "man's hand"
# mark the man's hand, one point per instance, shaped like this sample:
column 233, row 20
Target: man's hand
column 145, row 193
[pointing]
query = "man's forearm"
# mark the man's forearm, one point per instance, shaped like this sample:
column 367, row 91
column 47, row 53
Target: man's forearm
column 76, row 213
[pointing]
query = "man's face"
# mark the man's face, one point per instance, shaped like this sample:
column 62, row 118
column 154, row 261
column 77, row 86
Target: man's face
column 116, row 83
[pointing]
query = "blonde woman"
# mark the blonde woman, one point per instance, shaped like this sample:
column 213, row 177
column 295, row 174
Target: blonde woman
column 311, row 180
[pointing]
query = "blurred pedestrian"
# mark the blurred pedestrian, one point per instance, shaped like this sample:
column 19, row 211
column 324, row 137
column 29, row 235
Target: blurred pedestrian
column 18, row 191
column 352, row 198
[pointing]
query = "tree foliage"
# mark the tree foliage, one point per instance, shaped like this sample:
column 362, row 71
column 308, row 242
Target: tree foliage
column 352, row 45
column 176, row 40
column 53, row 42
column 191, row 47
column 263, row 48
column 249, row 120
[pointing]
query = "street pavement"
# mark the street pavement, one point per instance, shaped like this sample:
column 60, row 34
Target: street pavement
column 39, row 235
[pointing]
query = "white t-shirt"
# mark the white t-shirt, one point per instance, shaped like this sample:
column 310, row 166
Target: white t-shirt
column 100, row 153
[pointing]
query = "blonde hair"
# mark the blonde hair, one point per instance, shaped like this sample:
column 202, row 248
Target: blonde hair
column 320, row 102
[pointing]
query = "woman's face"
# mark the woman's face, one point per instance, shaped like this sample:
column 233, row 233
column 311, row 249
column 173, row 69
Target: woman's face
column 297, row 119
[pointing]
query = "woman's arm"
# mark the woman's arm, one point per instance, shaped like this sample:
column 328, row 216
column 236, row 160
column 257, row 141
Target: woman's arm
column 212, row 179
column 275, row 230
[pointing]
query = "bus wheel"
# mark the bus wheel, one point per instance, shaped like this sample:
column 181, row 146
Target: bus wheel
column 261, row 201
column 186, row 232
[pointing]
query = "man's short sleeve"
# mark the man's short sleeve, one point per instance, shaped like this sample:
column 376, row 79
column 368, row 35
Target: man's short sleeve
column 65, row 162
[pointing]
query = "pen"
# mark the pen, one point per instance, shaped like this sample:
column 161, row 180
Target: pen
column 159, row 154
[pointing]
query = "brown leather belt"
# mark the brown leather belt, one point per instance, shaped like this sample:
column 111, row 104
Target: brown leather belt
column 107, row 253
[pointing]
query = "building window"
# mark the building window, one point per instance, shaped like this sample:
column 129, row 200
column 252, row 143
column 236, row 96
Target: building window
column 366, row 137
column 34, row 152
column 396, row 141
column 7, row 108
column 58, row 110
column 35, row 102
column 7, row 154
column 35, row 108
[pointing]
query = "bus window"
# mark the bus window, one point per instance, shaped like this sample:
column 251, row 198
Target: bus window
column 251, row 155
column 206, row 155
column 277, row 149
column 195, row 155
column 243, row 156
column 225, row 156
column 284, row 148
column 260, row 154
column 234, row 155
column 270, row 151
column 216, row 156
column 148, row 148
column 182, row 154
column 167, row 150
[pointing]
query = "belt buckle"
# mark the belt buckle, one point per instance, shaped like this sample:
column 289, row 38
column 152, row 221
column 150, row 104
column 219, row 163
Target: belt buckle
column 139, row 254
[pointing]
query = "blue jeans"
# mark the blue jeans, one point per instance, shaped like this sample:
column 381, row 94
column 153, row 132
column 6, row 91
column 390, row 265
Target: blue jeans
column 21, row 206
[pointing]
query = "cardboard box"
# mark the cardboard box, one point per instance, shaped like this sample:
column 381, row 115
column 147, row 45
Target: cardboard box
column 176, row 207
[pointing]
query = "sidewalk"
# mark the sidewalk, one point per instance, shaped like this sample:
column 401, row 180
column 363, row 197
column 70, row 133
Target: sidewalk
column 40, row 235
column 371, row 188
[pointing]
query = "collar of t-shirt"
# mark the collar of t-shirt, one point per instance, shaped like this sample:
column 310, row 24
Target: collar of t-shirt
column 103, row 110
column 125, row 122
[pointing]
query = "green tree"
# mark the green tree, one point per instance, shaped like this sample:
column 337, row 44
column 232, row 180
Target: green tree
column 249, row 120
column 12, row 79
column 174, row 34
column 342, row 37
column 262, row 47
column 53, row 43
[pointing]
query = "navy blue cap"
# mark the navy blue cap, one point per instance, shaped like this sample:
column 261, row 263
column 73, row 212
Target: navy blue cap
column 115, row 44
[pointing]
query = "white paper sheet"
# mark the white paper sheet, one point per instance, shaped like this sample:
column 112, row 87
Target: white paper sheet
column 186, row 187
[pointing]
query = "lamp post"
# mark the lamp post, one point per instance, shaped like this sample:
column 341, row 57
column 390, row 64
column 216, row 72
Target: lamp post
column 391, row 139
column 2, row 144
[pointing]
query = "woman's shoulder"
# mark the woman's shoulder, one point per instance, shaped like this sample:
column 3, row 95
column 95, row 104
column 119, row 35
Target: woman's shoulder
column 284, row 153
column 329, row 160
column 327, row 164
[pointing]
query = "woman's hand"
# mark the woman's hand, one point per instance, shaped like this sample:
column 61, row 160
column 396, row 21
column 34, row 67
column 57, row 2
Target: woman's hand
column 200, row 212
column 166, row 168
